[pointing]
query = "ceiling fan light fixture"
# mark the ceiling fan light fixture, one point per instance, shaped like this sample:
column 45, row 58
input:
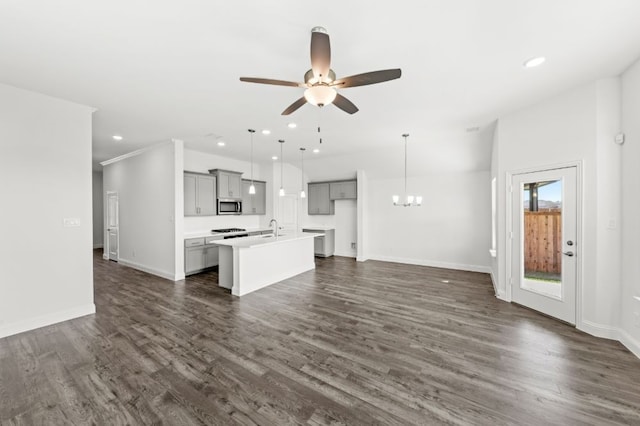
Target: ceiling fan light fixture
column 320, row 95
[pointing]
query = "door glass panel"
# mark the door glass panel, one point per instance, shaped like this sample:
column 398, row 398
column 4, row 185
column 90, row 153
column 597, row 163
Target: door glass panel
column 542, row 238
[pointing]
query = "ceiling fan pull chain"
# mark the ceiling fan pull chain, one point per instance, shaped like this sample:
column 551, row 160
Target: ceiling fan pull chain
column 319, row 122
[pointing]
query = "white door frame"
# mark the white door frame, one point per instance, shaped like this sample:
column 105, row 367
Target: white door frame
column 508, row 240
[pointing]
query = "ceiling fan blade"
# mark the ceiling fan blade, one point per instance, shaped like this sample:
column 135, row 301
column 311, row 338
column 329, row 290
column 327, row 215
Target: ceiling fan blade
column 320, row 52
column 372, row 77
column 345, row 104
column 294, row 106
column 272, row 81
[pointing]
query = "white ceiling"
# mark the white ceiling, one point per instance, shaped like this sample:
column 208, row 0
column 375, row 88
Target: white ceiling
column 157, row 70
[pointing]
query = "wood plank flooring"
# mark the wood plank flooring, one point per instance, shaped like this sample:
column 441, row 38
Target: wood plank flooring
column 349, row 343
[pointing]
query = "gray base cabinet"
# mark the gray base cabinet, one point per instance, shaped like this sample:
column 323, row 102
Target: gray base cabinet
column 324, row 243
column 200, row 254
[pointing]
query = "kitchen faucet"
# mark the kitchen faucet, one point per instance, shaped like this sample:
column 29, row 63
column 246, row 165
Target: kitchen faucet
column 275, row 232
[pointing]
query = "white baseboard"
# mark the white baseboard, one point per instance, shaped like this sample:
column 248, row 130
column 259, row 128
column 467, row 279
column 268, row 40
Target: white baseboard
column 433, row 263
column 632, row 344
column 612, row 333
column 153, row 271
column 97, row 246
column 45, row 320
column 502, row 296
column 494, row 282
column 599, row 330
column 345, row 253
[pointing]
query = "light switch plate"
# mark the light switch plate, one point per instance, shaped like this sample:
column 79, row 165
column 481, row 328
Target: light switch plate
column 71, row 222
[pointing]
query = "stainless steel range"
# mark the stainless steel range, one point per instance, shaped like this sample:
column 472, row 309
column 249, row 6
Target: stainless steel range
column 232, row 232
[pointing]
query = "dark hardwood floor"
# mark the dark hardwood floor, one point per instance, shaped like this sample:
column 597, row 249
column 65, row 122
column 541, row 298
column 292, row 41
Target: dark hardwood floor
column 349, row 343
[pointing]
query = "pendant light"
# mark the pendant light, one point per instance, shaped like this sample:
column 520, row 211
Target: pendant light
column 302, row 193
column 252, row 188
column 281, row 192
column 409, row 199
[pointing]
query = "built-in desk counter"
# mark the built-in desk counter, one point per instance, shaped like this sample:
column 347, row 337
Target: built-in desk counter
column 250, row 263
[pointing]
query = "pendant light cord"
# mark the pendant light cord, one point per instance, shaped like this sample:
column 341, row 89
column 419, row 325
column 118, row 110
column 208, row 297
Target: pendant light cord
column 405, row 165
column 319, row 124
column 281, row 164
column 302, row 174
column 252, row 131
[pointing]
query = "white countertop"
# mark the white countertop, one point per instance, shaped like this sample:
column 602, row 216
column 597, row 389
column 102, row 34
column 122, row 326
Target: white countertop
column 208, row 233
column 319, row 227
column 260, row 240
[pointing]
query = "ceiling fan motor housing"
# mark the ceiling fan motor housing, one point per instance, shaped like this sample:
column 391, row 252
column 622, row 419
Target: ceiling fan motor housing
column 310, row 79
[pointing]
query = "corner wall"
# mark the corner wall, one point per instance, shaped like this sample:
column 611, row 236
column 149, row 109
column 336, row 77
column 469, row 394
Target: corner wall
column 98, row 210
column 149, row 183
column 45, row 169
column 452, row 228
column 577, row 126
column 630, row 217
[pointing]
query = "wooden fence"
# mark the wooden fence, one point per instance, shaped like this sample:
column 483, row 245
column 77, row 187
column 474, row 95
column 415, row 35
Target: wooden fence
column 543, row 241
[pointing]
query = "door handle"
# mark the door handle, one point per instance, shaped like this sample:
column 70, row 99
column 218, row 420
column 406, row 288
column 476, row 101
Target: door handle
column 568, row 253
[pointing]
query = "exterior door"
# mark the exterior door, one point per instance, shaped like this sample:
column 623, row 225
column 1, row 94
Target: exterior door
column 543, row 272
column 112, row 225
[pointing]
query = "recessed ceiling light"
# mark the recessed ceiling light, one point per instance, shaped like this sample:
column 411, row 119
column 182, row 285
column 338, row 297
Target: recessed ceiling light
column 117, row 137
column 292, row 125
column 266, row 132
column 221, row 143
column 316, row 150
column 275, row 157
column 534, row 62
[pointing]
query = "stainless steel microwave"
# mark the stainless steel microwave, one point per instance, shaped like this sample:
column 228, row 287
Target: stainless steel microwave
column 229, row 207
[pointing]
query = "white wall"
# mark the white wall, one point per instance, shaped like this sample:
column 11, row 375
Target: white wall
column 45, row 169
column 577, row 126
column 149, row 186
column 195, row 161
column 630, row 218
column 98, row 209
column 346, row 224
column 452, row 229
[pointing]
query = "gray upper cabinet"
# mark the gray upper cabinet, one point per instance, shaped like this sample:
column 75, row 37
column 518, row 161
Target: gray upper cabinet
column 346, row 190
column 199, row 194
column 256, row 203
column 229, row 184
column 318, row 199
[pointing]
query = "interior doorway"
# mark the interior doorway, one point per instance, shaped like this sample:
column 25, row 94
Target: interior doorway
column 112, row 226
column 544, row 246
column 288, row 212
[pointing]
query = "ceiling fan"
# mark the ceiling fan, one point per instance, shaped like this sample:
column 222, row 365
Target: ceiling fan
column 320, row 81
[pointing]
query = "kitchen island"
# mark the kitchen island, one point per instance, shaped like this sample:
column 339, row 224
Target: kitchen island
column 251, row 263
